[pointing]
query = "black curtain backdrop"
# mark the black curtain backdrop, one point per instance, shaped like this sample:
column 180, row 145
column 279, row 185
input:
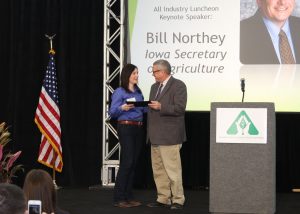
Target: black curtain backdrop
column 78, row 43
column 78, row 26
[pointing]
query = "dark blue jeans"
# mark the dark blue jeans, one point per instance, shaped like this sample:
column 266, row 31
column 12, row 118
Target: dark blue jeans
column 131, row 140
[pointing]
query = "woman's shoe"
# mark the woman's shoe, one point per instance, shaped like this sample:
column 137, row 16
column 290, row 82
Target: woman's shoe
column 123, row 204
column 134, row 203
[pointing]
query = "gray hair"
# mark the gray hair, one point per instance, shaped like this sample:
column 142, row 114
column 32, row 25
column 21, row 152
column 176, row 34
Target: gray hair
column 163, row 63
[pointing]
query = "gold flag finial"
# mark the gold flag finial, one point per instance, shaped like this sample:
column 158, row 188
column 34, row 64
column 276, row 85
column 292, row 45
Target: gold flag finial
column 50, row 39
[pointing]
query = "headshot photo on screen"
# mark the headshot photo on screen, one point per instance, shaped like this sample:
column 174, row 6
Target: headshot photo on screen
column 269, row 32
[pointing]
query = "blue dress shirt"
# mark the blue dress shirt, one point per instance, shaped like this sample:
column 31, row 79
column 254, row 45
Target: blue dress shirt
column 119, row 97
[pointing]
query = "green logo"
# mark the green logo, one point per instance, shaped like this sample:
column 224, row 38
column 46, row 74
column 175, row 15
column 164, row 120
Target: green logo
column 242, row 125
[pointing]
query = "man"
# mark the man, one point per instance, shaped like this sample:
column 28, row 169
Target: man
column 166, row 133
column 12, row 199
column 262, row 34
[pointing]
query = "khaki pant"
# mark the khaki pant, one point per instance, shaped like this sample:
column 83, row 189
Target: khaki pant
column 167, row 172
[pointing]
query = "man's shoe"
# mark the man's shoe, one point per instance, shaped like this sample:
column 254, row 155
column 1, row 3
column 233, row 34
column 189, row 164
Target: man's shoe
column 176, row 206
column 123, row 204
column 134, row 203
column 157, row 204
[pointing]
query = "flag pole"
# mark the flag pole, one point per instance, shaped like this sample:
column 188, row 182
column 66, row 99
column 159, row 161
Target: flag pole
column 53, row 170
column 54, row 153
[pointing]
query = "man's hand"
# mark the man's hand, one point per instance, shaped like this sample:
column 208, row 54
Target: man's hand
column 155, row 105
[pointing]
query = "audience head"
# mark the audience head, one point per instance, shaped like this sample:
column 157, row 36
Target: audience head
column 12, row 200
column 38, row 185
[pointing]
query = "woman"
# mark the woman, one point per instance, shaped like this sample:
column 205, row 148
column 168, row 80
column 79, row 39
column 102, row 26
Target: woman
column 130, row 132
column 38, row 185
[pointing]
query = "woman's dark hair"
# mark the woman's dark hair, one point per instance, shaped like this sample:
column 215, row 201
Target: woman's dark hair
column 125, row 75
column 38, row 185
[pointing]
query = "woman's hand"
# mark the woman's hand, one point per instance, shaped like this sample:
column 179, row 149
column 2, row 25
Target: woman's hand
column 127, row 107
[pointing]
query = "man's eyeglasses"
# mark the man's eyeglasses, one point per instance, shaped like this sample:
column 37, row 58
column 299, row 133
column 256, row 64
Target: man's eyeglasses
column 154, row 72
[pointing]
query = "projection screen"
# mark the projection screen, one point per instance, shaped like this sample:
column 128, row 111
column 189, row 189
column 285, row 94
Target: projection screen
column 201, row 40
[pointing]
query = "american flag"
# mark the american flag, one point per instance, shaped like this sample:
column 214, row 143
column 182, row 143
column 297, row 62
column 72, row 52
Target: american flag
column 47, row 118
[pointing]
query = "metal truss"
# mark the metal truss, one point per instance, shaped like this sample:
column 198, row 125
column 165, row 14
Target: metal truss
column 114, row 43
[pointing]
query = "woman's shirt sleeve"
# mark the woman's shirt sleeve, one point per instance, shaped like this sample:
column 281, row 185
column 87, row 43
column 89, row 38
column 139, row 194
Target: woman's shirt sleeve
column 116, row 102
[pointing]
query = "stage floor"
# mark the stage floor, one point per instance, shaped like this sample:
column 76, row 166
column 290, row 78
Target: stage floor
column 99, row 200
